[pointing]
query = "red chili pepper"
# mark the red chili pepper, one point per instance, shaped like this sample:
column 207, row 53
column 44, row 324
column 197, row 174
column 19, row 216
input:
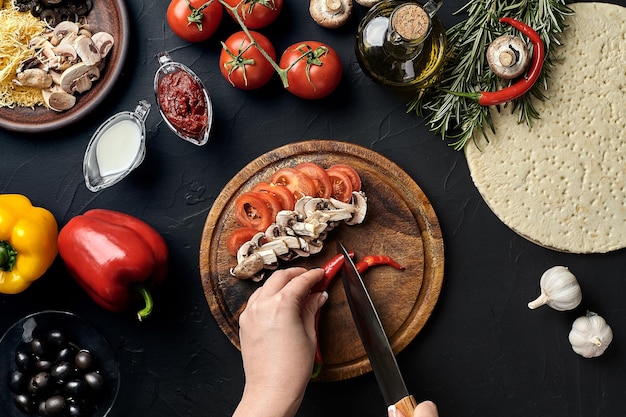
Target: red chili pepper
column 516, row 90
column 331, row 269
column 110, row 254
column 372, row 260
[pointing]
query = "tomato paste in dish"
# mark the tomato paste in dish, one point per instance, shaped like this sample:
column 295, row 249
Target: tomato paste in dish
column 182, row 100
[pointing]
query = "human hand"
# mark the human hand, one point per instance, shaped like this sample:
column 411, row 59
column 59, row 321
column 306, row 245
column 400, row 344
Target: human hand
column 278, row 339
column 423, row 409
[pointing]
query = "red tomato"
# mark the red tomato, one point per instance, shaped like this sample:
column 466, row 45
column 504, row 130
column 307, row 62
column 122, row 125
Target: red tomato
column 281, row 192
column 355, row 179
column 238, row 237
column 193, row 21
column 314, row 69
column 296, row 181
column 342, row 186
column 252, row 211
column 319, row 177
column 242, row 64
column 256, row 14
column 272, row 203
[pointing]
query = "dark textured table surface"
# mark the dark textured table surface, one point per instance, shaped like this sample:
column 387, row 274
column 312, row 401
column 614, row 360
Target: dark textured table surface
column 482, row 353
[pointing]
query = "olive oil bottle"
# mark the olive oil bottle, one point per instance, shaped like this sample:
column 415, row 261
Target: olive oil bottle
column 402, row 44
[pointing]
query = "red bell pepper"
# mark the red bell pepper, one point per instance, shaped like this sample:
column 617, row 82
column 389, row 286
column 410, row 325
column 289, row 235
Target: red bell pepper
column 111, row 255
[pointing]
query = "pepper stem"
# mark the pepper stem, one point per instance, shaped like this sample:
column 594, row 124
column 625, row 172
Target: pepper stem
column 147, row 297
column 8, row 256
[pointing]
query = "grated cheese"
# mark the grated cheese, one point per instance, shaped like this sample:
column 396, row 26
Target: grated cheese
column 16, row 30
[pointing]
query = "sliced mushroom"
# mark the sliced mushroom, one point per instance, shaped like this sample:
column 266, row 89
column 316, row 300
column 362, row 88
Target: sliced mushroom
column 58, row 100
column 79, row 78
column 330, row 13
column 63, row 30
column 87, row 51
column 33, row 77
column 104, row 42
column 508, row 56
column 360, row 208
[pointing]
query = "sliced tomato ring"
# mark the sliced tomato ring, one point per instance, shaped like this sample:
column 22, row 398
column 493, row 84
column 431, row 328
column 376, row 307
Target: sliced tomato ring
column 354, row 176
column 342, row 186
column 319, row 177
column 272, row 203
column 238, row 237
column 281, row 192
column 296, row 181
column 252, row 211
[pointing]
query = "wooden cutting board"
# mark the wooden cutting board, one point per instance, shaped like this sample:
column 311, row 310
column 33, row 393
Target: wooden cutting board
column 400, row 223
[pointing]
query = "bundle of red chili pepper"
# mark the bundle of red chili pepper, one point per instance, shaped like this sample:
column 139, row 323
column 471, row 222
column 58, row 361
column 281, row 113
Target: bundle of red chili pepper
column 331, row 269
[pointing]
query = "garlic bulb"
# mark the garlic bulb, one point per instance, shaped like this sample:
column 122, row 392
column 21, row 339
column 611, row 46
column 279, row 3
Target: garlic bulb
column 559, row 290
column 590, row 335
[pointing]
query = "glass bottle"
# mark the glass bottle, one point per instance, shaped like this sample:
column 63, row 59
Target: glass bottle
column 401, row 44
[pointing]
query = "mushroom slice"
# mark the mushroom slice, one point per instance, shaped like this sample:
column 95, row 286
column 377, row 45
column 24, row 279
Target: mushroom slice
column 58, row 100
column 65, row 50
column 33, row 77
column 87, row 50
column 104, row 42
column 249, row 268
column 79, row 78
column 62, row 30
column 286, row 218
column 330, row 13
column 360, row 208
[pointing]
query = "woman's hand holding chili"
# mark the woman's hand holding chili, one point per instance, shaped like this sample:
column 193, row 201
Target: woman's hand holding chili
column 278, row 339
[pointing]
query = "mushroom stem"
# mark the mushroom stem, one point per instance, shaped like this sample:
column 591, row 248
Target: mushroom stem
column 334, row 6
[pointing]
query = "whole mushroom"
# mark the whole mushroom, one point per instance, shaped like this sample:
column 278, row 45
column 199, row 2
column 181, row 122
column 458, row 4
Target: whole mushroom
column 508, row 56
column 330, row 13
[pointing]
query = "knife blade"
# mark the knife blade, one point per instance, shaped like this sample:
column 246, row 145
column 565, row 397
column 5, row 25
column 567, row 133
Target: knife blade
column 375, row 339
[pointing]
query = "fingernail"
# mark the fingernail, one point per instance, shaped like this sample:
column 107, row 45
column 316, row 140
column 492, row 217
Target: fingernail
column 323, row 297
column 391, row 410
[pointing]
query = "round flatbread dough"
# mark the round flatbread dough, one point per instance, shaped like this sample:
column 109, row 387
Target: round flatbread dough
column 562, row 182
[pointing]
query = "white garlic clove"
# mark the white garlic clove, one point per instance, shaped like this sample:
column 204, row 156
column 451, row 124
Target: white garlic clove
column 559, row 290
column 590, row 335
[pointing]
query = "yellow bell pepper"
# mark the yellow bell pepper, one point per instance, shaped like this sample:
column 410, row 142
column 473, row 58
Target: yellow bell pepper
column 28, row 242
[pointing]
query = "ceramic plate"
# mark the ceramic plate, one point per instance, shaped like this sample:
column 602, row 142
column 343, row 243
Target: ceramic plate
column 109, row 16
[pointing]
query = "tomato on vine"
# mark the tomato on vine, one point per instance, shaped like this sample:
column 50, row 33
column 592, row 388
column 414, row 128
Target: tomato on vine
column 194, row 20
column 313, row 68
column 241, row 62
column 256, row 14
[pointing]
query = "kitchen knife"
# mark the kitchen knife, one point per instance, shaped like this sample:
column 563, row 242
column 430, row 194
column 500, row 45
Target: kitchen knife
column 374, row 339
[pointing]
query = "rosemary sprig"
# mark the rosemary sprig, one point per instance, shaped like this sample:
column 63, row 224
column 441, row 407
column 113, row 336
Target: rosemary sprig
column 466, row 69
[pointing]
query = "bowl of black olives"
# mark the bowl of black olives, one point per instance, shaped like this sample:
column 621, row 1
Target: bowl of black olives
column 56, row 364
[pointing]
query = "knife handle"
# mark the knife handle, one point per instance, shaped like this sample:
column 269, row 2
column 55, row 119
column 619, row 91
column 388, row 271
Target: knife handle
column 406, row 405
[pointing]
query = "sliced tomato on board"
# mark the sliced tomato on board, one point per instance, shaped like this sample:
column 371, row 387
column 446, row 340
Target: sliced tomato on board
column 355, row 179
column 282, row 193
column 341, row 185
column 296, row 181
column 238, row 237
column 272, row 203
column 252, row 211
column 319, row 176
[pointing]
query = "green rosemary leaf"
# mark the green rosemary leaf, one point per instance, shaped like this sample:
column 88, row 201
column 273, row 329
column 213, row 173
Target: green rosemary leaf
column 466, row 70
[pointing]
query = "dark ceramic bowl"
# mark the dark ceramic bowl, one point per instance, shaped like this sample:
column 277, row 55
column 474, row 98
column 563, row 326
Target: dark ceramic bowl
column 109, row 16
column 79, row 332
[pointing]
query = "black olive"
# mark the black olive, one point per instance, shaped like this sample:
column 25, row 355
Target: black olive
column 84, row 360
column 75, row 388
column 43, row 365
column 56, row 340
column 41, row 408
column 39, row 348
column 74, row 410
column 62, row 371
column 24, row 361
column 48, row 16
column 23, row 403
column 39, row 383
column 67, row 354
column 55, row 406
column 36, row 9
column 18, row 381
column 94, row 381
